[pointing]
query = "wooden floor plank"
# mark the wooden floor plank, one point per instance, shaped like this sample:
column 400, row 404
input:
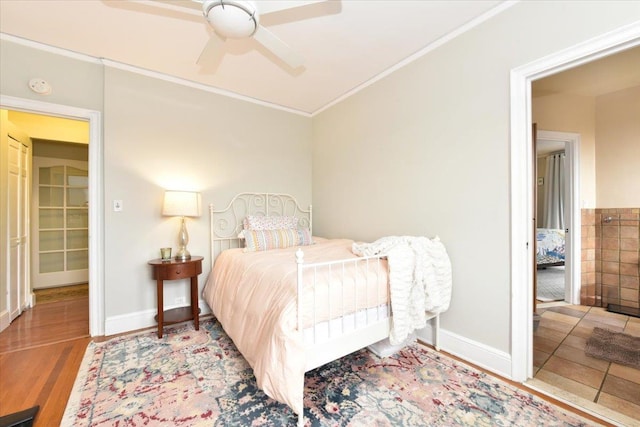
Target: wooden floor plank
column 34, row 377
column 64, row 378
column 46, row 324
column 40, row 354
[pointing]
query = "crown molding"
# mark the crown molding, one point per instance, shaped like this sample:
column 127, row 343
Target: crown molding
column 145, row 72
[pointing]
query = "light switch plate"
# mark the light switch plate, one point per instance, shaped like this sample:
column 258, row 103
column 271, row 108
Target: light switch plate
column 117, row 205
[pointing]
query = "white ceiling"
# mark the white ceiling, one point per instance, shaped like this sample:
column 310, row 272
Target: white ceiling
column 346, row 43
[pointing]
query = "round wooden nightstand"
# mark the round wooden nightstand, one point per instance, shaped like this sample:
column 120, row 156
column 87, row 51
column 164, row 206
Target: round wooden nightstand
column 172, row 270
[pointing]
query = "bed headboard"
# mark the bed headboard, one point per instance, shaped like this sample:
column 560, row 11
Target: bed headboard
column 226, row 223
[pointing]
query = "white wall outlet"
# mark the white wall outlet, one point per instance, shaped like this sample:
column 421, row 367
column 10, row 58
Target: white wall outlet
column 117, row 205
column 180, row 300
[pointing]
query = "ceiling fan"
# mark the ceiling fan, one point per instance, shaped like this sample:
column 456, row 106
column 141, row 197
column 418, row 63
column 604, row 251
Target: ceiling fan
column 241, row 19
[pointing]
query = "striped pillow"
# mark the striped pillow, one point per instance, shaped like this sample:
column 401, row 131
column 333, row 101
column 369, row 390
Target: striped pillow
column 263, row 240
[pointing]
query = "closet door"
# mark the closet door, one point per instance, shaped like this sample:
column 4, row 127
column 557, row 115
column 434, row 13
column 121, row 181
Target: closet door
column 60, row 226
column 18, row 161
column 15, row 164
column 24, row 293
column 14, row 232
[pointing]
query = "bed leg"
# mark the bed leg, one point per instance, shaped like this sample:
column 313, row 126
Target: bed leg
column 436, row 333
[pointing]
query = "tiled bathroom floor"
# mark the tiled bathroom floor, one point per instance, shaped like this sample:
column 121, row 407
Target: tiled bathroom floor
column 560, row 361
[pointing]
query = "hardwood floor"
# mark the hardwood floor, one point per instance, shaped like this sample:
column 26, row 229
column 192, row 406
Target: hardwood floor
column 40, row 354
column 47, row 323
column 45, row 378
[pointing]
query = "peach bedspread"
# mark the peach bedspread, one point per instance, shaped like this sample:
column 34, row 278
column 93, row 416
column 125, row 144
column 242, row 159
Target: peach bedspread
column 253, row 295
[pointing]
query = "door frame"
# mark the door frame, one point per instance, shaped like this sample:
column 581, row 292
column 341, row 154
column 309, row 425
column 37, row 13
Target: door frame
column 522, row 180
column 96, row 195
column 573, row 220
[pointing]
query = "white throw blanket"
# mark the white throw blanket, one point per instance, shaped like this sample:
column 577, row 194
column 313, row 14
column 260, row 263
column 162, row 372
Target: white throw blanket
column 419, row 279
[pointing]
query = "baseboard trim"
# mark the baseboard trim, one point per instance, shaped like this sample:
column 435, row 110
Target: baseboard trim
column 140, row 320
column 5, row 320
column 475, row 353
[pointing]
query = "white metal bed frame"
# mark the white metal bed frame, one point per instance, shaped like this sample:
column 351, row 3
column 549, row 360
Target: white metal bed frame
column 325, row 341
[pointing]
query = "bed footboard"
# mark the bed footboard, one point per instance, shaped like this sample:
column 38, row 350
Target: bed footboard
column 335, row 329
column 355, row 314
column 342, row 306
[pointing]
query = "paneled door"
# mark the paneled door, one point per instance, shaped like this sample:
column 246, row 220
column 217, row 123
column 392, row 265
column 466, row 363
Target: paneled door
column 18, row 156
column 60, row 223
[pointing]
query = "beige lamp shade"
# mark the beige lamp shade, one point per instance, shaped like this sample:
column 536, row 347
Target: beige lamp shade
column 181, row 203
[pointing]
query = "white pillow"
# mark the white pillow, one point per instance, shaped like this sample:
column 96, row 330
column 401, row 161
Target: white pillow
column 261, row 222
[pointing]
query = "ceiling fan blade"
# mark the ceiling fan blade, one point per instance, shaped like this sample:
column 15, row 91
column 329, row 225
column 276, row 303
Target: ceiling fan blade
column 213, row 51
column 276, row 6
column 276, row 46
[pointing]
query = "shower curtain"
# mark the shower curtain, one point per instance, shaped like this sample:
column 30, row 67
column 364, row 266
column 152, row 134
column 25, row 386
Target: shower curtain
column 554, row 197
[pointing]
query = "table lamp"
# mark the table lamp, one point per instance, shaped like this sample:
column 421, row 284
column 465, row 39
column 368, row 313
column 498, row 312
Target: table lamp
column 182, row 204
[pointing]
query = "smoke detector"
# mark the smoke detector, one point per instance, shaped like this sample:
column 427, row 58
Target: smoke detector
column 40, row 86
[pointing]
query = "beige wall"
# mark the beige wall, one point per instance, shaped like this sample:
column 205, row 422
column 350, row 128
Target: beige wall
column 407, row 155
column 618, row 149
column 574, row 114
column 609, row 128
column 75, row 83
column 53, row 128
column 60, row 150
column 410, row 154
column 159, row 135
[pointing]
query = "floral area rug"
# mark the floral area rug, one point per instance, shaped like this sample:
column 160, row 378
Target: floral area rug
column 198, row 378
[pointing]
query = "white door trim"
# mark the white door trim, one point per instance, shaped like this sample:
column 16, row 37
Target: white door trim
column 572, row 210
column 96, row 195
column 522, row 181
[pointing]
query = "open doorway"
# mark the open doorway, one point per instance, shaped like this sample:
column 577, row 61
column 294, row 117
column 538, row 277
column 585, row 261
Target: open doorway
column 550, row 228
column 523, row 179
column 59, row 199
column 558, row 224
column 54, row 266
column 96, row 203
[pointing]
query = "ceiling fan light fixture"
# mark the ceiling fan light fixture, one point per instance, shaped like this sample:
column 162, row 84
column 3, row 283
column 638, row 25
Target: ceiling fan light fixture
column 231, row 18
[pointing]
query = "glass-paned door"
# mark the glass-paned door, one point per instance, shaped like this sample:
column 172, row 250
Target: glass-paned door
column 61, row 222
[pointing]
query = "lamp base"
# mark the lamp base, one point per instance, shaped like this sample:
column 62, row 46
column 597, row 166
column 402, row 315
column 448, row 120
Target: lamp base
column 183, row 254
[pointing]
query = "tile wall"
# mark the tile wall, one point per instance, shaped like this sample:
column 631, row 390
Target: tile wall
column 610, row 257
